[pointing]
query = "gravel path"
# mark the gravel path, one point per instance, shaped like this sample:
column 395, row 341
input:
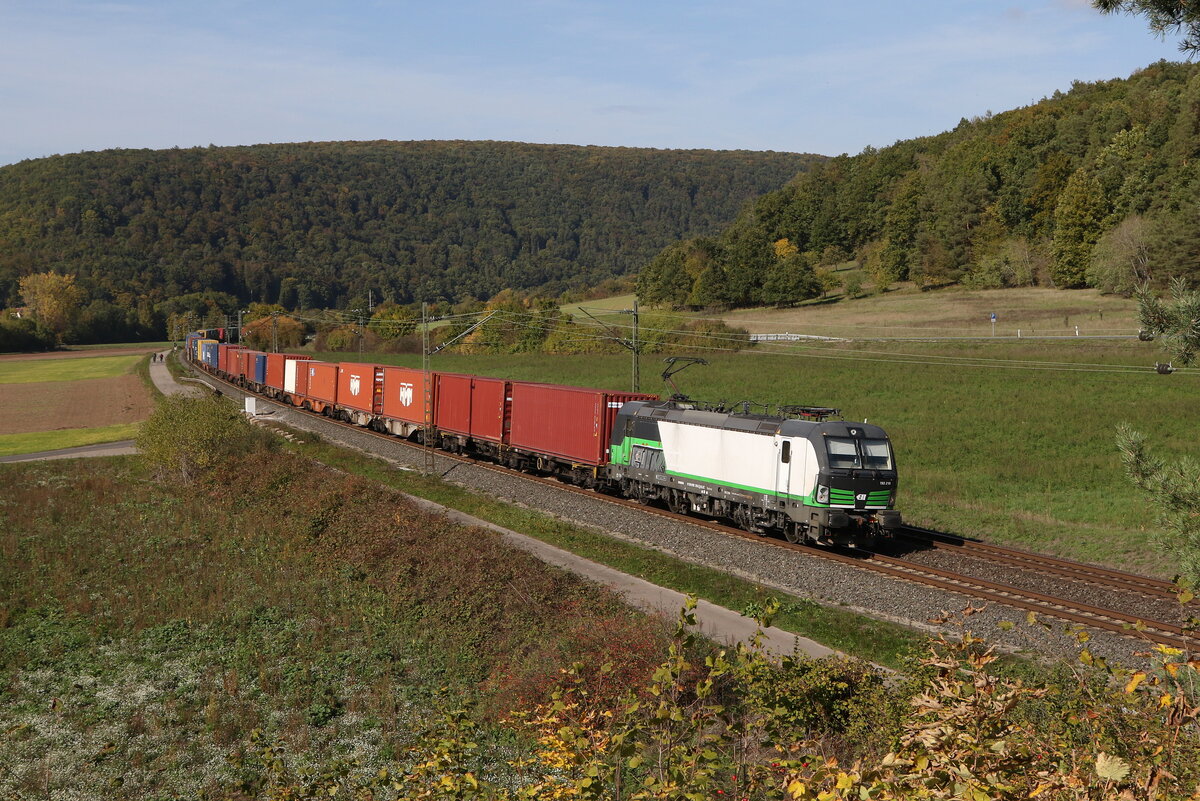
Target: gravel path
column 798, row 574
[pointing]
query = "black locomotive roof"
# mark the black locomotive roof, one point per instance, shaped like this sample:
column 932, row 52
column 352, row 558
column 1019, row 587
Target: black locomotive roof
column 753, row 423
column 830, row 428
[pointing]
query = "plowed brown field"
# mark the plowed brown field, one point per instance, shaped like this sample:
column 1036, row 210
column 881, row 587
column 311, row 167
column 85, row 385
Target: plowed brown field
column 73, row 404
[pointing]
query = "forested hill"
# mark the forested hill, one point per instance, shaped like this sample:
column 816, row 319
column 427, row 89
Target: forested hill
column 315, row 224
column 1098, row 186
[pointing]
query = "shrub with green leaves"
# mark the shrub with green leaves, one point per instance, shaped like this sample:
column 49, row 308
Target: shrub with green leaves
column 186, row 437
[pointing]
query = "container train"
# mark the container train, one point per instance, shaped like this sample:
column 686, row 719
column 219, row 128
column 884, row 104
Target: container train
column 810, row 480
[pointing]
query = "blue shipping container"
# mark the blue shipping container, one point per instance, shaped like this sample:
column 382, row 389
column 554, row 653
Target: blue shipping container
column 260, row 369
column 209, row 356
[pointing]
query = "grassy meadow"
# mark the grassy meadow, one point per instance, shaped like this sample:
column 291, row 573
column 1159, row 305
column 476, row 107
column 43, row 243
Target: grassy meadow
column 1010, row 441
column 35, row 371
column 12, row 444
column 906, row 311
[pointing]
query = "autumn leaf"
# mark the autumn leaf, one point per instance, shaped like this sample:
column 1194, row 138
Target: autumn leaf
column 1111, row 768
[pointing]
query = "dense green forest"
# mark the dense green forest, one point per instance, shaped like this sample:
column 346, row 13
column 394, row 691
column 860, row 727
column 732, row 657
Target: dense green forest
column 322, row 224
column 1094, row 187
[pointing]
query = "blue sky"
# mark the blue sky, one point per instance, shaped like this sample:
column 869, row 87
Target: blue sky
column 820, row 77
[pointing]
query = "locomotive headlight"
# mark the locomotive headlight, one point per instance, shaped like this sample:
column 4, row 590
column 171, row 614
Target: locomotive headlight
column 822, row 493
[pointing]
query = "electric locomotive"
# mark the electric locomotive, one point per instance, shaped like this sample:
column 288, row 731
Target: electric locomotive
column 817, row 480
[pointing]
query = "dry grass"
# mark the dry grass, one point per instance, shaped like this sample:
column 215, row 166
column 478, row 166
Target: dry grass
column 907, row 311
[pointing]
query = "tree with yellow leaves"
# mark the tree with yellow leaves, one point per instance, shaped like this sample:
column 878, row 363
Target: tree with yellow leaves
column 54, row 300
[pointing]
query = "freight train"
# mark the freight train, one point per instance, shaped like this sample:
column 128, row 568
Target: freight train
column 803, row 476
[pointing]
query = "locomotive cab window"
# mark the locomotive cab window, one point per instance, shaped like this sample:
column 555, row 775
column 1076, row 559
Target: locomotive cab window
column 843, row 453
column 876, row 454
column 785, row 453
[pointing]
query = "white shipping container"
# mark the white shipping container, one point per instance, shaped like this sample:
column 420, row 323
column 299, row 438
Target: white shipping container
column 289, row 375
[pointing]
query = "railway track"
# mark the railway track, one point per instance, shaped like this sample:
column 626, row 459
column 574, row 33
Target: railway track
column 1144, row 629
column 1064, row 568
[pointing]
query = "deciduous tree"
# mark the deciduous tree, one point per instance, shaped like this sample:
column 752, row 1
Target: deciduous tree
column 1121, row 259
column 280, row 331
column 392, row 321
column 53, row 299
column 185, row 437
column 1078, row 223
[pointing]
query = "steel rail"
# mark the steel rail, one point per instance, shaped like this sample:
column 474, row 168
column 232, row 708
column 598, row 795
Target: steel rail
column 1044, row 563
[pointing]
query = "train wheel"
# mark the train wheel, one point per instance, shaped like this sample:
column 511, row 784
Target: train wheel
column 792, row 532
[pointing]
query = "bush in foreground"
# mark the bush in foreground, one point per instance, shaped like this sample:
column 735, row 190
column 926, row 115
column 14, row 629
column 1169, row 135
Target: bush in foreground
column 965, row 733
column 186, row 437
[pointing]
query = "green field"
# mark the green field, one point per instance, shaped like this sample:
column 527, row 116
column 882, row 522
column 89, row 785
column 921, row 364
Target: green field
column 12, row 444
column 31, row 371
column 616, row 303
column 1010, row 441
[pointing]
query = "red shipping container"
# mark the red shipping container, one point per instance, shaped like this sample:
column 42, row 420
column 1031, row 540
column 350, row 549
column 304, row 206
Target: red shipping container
column 275, row 367
column 404, row 394
column 322, row 381
column 571, row 423
column 471, row 405
column 247, row 363
column 235, row 362
column 225, row 357
column 360, row 387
